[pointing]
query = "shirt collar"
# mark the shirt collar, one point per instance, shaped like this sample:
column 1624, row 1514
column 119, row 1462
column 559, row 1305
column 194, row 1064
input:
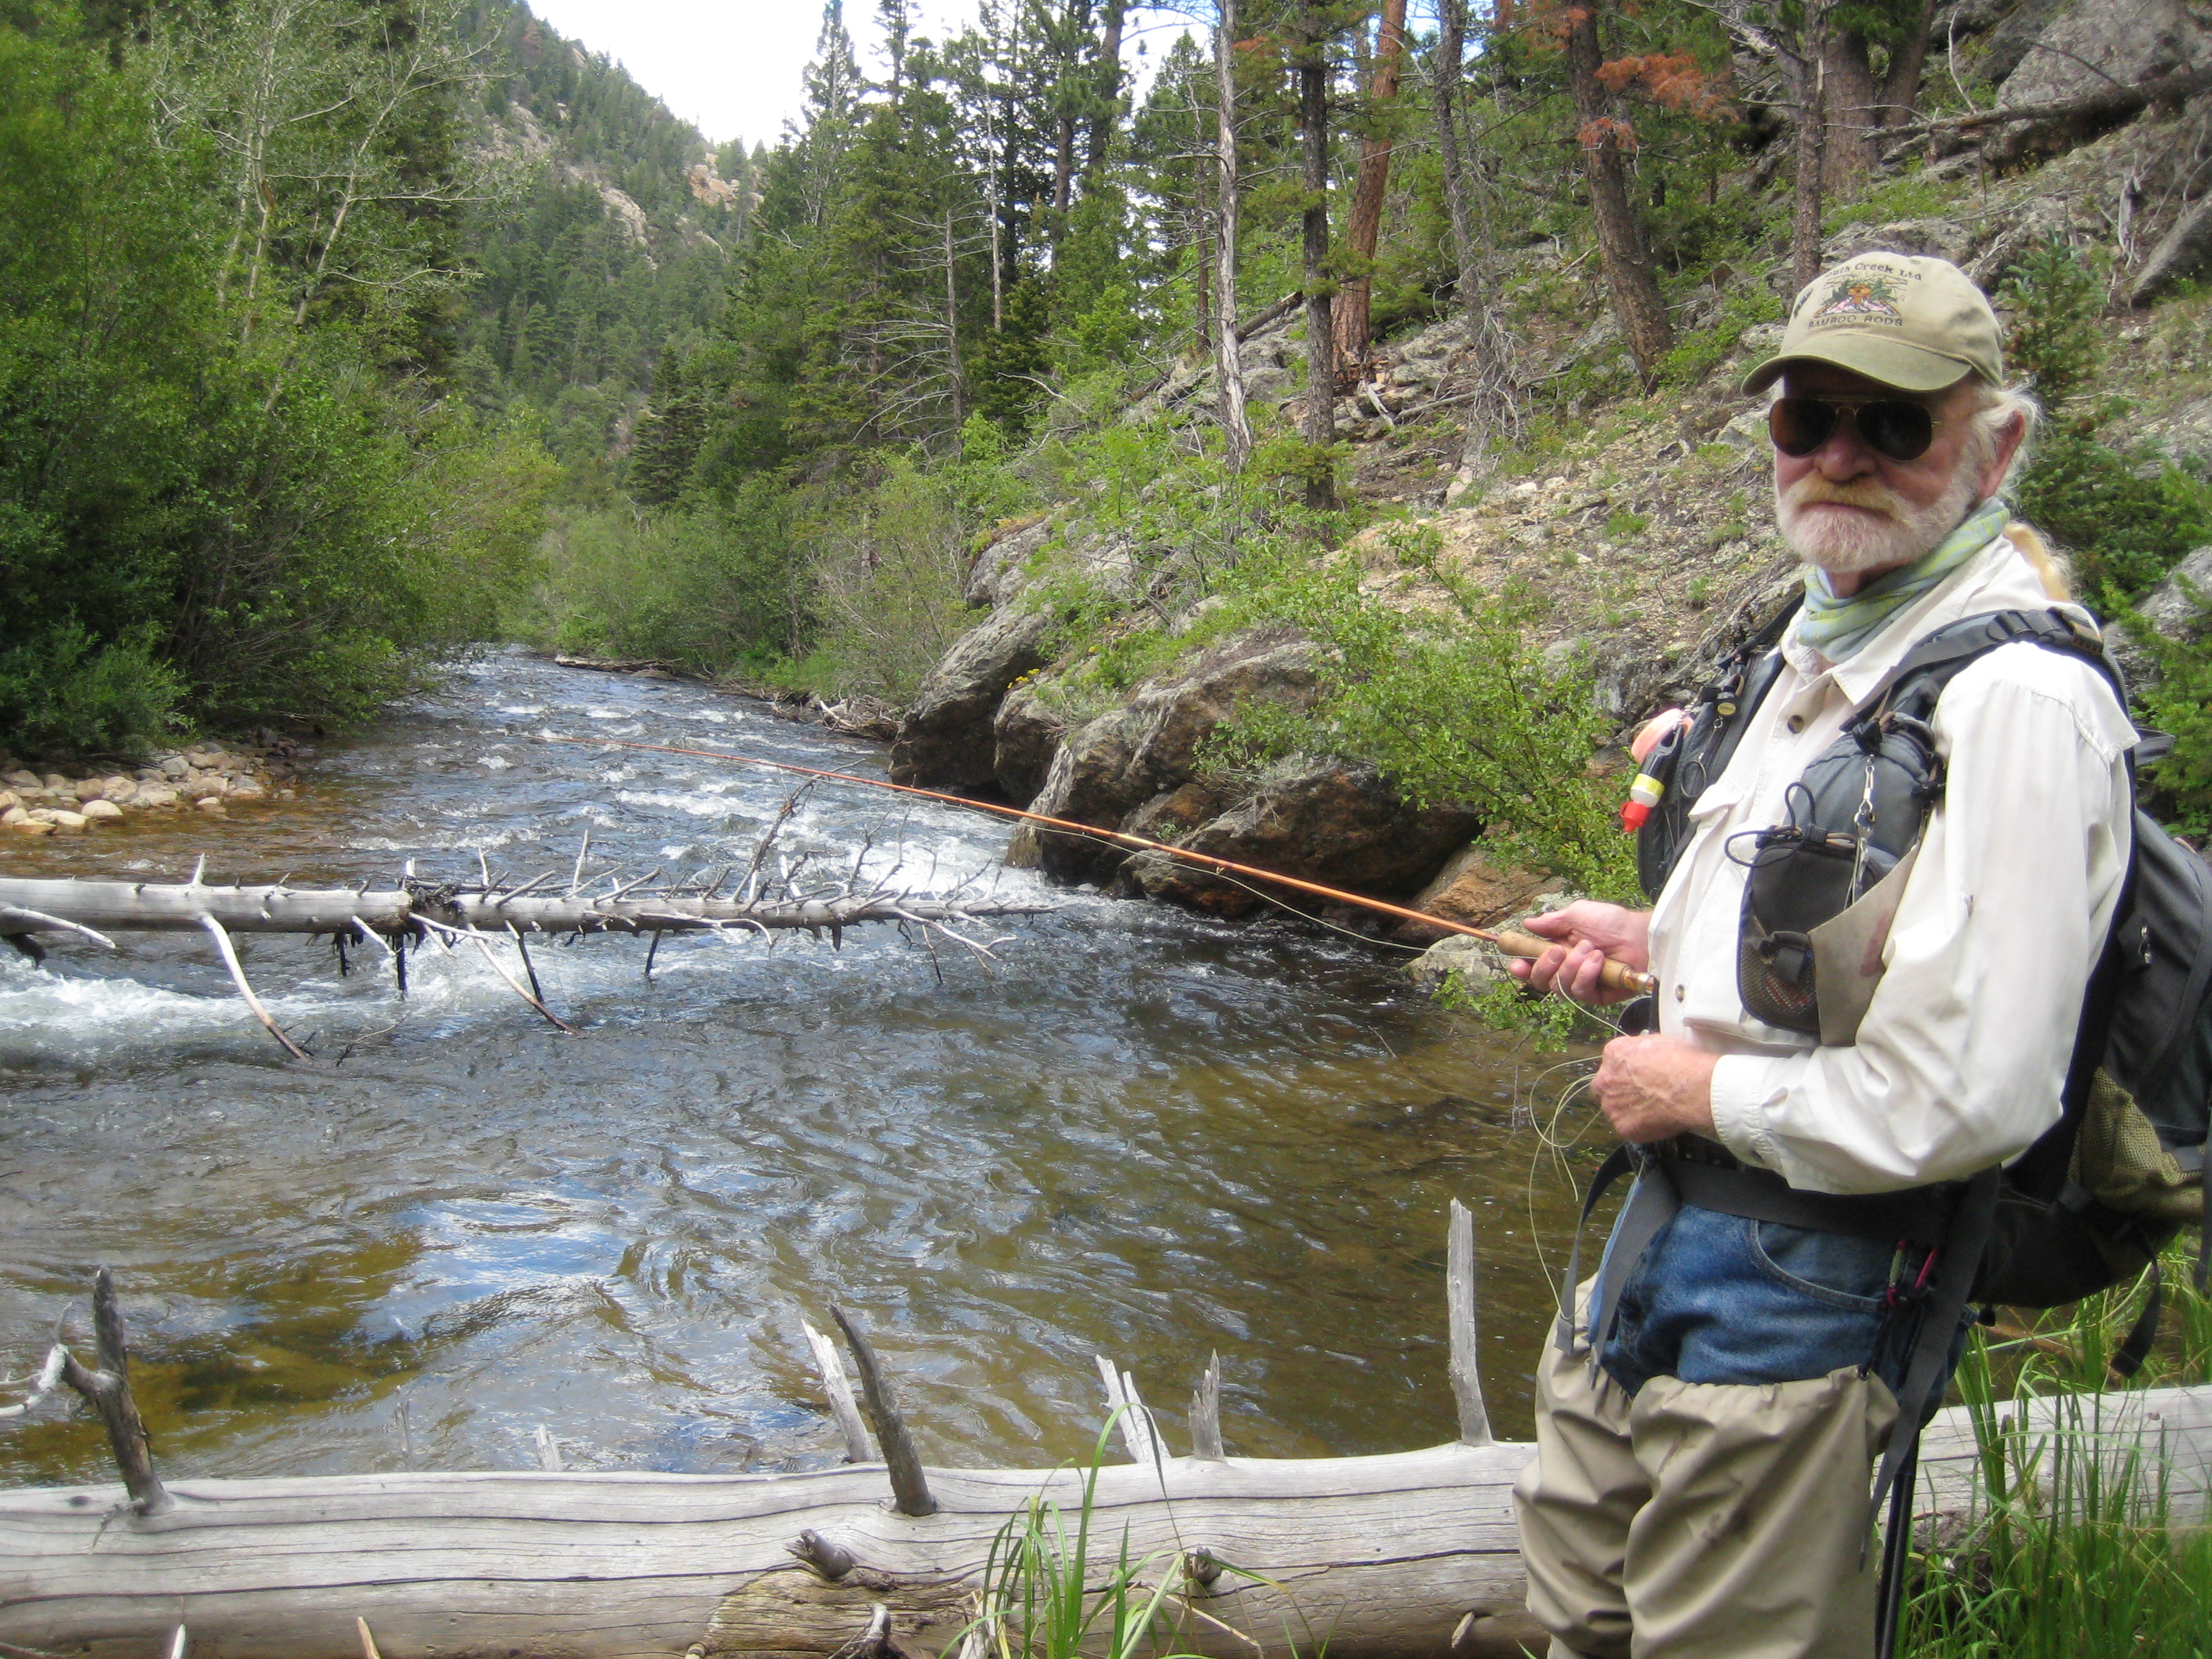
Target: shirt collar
column 1997, row 578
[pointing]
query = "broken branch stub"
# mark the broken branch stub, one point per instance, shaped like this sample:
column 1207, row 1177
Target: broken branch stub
column 108, row 1390
column 909, row 1488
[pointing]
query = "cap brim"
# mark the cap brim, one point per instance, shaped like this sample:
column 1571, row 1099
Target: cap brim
column 1892, row 362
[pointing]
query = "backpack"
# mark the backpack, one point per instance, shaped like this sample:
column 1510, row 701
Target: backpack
column 2093, row 1201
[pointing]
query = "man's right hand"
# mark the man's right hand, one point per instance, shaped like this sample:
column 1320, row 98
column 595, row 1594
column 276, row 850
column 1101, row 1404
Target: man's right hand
column 1587, row 933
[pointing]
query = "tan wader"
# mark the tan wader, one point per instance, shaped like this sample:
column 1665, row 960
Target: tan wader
column 1702, row 1521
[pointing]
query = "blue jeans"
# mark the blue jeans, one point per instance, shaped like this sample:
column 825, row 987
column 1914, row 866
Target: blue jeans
column 1720, row 1299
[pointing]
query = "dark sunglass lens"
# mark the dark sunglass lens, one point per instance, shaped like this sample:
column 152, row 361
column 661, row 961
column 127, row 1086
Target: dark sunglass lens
column 1901, row 431
column 1800, row 425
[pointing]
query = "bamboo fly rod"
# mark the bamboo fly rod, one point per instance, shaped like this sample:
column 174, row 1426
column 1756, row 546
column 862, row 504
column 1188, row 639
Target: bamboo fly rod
column 1614, row 975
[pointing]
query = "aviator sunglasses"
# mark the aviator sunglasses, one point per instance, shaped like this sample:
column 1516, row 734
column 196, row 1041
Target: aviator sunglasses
column 1891, row 426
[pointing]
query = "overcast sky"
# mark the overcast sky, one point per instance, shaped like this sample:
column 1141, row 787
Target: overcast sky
column 732, row 67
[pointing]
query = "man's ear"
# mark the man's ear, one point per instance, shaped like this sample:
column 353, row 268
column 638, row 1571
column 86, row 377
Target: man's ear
column 2007, row 446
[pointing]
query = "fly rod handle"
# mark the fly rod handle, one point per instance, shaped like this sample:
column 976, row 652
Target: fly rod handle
column 1613, row 976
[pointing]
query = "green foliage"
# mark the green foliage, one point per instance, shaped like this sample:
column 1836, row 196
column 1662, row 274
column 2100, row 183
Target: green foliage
column 2070, row 1549
column 2125, row 515
column 2055, row 298
column 1549, row 1023
column 216, row 501
column 1697, row 354
column 1461, row 710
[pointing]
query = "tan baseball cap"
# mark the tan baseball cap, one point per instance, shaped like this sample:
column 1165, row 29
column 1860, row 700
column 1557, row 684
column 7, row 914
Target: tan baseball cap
column 1913, row 323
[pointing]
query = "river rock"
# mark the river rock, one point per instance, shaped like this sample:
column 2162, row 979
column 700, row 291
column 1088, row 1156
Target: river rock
column 120, row 790
column 24, row 824
column 56, row 784
column 151, row 795
column 61, row 818
column 945, row 741
column 204, row 789
column 245, row 790
column 2172, row 608
column 9, row 799
column 1471, row 889
column 211, row 804
column 1476, row 962
column 14, row 813
column 1112, row 766
column 95, row 811
column 174, row 766
column 1025, row 734
column 22, row 780
column 1327, row 821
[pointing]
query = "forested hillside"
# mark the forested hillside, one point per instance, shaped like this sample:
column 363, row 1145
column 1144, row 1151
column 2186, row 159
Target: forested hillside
column 309, row 310
column 1409, row 340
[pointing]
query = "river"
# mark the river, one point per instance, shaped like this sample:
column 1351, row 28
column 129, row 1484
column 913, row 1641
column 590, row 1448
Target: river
column 1138, row 1133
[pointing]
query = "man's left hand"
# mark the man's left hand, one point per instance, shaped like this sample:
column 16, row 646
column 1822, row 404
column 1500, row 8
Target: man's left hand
column 1652, row 1087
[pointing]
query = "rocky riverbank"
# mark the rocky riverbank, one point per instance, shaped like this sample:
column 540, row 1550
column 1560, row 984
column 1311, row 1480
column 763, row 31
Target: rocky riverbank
column 202, row 779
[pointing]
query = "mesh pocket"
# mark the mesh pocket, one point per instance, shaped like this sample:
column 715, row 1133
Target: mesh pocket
column 1774, row 977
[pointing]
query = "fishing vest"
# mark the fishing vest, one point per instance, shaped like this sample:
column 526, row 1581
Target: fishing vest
column 2093, row 1201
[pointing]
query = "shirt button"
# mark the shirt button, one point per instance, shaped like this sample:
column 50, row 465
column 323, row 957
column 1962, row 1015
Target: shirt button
column 1796, row 722
column 1679, row 994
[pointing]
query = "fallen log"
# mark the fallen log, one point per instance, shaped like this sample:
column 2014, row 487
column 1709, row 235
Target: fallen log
column 1381, row 1557
column 28, row 907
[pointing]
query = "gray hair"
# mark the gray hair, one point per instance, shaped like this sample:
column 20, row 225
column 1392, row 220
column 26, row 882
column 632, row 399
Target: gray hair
column 1994, row 409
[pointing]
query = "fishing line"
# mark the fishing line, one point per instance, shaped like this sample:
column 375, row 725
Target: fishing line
column 1219, row 867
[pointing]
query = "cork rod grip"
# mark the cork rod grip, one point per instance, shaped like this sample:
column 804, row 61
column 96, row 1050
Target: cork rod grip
column 1614, row 975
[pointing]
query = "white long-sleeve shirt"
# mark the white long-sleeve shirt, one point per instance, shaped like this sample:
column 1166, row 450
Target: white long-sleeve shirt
column 1961, row 1056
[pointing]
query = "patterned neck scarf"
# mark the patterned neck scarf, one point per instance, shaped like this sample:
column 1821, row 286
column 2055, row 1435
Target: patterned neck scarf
column 1836, row 626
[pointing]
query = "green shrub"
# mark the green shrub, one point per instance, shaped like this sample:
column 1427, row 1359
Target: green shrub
column 2125, row 516
column 2056, row 299
column 70, row 694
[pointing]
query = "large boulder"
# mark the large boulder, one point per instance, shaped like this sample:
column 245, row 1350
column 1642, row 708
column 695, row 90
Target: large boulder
column 945, row 740
column 2012, row 36
column 1113, row 765
column 2099, row 46
column 2183, row 252
column 1328, row 821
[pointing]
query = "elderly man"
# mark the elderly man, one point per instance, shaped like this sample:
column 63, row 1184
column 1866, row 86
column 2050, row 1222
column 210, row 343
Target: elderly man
column 1702, row 1480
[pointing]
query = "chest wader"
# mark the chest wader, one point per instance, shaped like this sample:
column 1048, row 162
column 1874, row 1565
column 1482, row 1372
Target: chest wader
column 1823, row 889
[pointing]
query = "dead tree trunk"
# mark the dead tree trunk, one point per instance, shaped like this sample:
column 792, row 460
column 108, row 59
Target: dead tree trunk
column 1363, row 227
column 1808, row 69
column 1318, row 427
column 1621, row 241
column 1228, row 360
column 1387, row 1555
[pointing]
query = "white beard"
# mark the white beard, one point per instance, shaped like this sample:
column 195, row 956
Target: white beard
column 1879, row 530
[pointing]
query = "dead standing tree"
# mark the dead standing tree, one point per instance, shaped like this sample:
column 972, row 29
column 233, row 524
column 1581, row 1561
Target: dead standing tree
column 1362, row 226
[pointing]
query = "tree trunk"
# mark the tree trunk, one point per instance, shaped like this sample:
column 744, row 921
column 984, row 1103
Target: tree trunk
column 1228, row 358
column 1812, row 142
column 1109, row 90
column 1451, row 48
column 1621, row 245
column 1852, row 105
column 1386, row 1555
column 1900, row 82
column 1319, row 427
column 1362, row 228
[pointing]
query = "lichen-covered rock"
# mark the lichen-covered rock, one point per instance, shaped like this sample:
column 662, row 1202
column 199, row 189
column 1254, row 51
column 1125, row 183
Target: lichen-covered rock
column 1476, row 962
column 1001, row 569
column 945, row 741
column 1327, row 821
column 2100, row 45
column 2172, row 608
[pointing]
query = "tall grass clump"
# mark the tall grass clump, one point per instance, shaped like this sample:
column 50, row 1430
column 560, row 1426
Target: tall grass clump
column 2072, row 1549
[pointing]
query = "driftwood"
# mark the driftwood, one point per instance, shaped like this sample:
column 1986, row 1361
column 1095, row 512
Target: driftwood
column 1382, row 1556
column 488, row 912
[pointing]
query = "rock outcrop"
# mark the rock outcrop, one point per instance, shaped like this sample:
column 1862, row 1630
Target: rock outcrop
column 1328, row 821
column 1111, row 767
column 945, row 741
column 2100, row 45
column 2176, row 606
